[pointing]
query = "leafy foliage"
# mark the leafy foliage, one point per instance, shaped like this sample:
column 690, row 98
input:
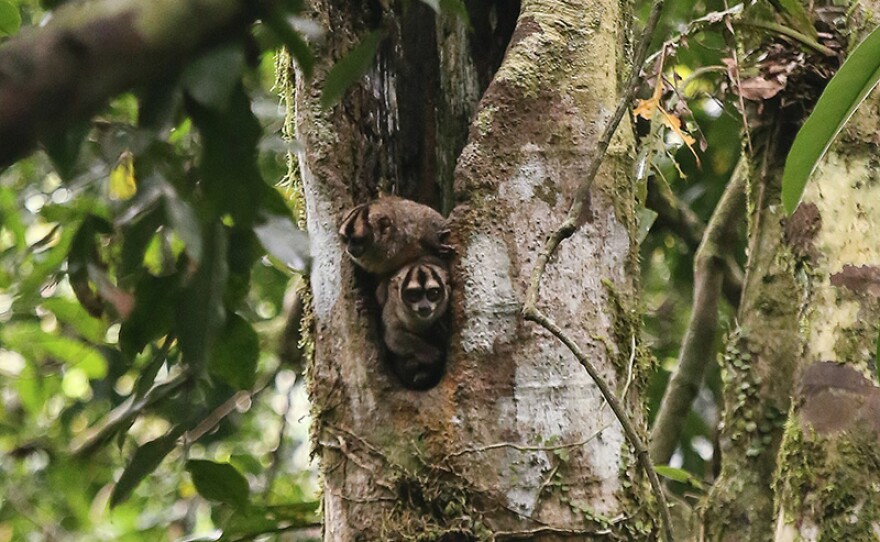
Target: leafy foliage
column 10, row 19
column 139, row 311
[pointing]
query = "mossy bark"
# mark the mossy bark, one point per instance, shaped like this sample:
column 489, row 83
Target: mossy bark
column 808, row 331
column 828, row 483
column 757, row 368
column 515, row 440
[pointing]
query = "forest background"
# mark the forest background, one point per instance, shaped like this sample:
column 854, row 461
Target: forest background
column 152, row 349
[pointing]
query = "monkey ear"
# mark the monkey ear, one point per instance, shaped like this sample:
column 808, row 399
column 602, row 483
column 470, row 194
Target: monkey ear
column 347, row 218
column 384, row 224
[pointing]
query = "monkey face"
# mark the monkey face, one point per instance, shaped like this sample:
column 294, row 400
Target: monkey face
column 424, row 303
column 362, row 230
column 424, row 292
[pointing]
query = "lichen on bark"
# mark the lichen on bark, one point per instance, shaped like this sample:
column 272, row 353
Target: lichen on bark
column 515, row 410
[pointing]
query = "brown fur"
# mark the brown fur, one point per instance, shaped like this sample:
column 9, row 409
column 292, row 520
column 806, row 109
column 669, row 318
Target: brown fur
column 416, row 342
column 389, row 232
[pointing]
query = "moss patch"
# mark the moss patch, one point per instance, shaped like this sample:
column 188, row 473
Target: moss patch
column 832, row 481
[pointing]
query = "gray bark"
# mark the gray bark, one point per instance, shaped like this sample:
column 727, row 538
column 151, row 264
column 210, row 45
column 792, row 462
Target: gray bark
column 515, row 441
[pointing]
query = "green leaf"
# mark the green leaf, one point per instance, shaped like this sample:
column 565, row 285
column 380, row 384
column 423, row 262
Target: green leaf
column 283, row 240
column 230, row 177
column 32, row 342
column 72, row 314
column 212, row 78
column 256, row 520
column 63, row 148
column 147, row 376
column 186, row 225
column 678, row 475
column 83, row 251
column 10, row 18
column 145, row 460
column 246, row 463
column 845, row 92
column 200, row 309
column 152, row 316
column 796, row 16
column 219, row 482
column 647, row 217
column 351, row 67
column 234, row 356
column 10, row 211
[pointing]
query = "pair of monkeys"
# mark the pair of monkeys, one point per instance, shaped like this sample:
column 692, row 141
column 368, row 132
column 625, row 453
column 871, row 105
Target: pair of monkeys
column 404, row 244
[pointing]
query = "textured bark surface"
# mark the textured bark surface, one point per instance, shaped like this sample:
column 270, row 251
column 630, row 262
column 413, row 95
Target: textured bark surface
column 515, row 441
column 758, row 366
column 808, row 329
column 829, row 472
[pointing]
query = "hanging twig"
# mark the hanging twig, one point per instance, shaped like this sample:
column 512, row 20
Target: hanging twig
column 569, row 226
column 697, row 346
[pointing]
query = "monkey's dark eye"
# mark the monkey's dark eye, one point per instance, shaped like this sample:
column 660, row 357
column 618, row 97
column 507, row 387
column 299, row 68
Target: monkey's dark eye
column 384, row 225
column 413, row 295
column 433, row 294
column 357, row 246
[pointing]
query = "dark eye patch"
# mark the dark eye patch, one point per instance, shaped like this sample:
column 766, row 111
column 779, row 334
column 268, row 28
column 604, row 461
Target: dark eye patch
column 412, row 295
column 384, row 225
column 433, row 294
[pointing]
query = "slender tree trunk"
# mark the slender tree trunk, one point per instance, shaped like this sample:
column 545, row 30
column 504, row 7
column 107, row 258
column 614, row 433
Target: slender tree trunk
column 515, row 442
column 758, row 365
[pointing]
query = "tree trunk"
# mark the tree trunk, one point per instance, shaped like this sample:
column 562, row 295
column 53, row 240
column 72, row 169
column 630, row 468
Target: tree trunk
column 828, row 483
column 758, row 365
column 515, row 442
column 805, row 348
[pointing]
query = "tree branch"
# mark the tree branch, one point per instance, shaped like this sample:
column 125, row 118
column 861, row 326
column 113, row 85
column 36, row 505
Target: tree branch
column 53, row 76
column 697, row 346
column 675, row 215
column 629, row 430
column 95, row 437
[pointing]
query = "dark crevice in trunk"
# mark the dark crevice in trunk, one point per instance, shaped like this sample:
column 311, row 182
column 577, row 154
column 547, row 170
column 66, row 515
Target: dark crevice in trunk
column 493, row 23
column 418, row 92
column 418, row 130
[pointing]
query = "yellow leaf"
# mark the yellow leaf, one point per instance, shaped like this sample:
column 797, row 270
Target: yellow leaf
column 646, row 108
column 122, row 182
column 674, row 124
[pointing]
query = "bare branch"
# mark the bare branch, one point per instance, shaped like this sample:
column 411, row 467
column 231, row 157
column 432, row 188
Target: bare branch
column 225, row 409
column 675, row 215
column 88, row 52
column 523, row 447
column 697, row 346
column 629, row 430
column 566, row 230
column 123, row 414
